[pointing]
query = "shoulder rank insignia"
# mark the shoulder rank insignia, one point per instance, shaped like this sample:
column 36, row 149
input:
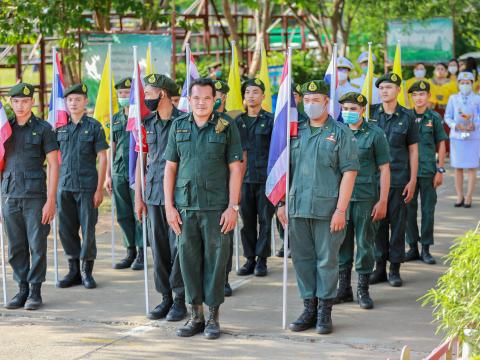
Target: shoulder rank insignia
column 221, row 125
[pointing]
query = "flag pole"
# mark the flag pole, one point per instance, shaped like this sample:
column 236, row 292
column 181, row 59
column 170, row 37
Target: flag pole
column 187, row 55
column 54, row 222
column 287, row 189
column 142, row 179
column 2, row 244
column 273, row 245
column 110, row 97
column 369, row 81
column 333, row 88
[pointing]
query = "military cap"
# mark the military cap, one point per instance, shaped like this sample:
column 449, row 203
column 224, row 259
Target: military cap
column 253, row 82
column 297, row 88
column 343, row 62
column 161, row 81
column 390, row 77
column 21, row 90
column 364, row 57
column 125, row 83
column 214, row 65
column 419, row 86
column 222, row 86
column 316, row 87
column 80, row 89
column 465, row 75
column 354, row 98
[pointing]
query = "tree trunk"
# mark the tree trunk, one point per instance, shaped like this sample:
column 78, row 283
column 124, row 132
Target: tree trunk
column 262, row 22
column 232, row 27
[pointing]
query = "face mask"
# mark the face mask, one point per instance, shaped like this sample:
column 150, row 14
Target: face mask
column 364, row 69
column 314, row 111
column 218, row 73
column 465, row 89
column 342, row 75
column 123, row 102
column 217, row 104
column 419, row 73
column 152, row 104
column 350, row 117
column 452, row 70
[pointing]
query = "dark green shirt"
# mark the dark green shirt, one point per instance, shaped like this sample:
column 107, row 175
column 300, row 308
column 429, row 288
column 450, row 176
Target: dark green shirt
column 372, row 153
column 401, row 131
column 79, row 145
column 431, row 133
column 25, row 153
column 121, row 137
column 203, row 156
column 318, row 161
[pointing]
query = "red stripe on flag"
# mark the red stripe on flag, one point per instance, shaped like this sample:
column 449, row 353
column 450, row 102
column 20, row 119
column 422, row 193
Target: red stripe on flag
column 278, row 191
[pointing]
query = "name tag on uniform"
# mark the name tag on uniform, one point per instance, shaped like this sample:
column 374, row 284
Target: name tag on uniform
column 86, row 131
column 183, row 131
column 34, row 133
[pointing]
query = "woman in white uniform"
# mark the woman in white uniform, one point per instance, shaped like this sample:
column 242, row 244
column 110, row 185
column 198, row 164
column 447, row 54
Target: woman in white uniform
column 463, row 117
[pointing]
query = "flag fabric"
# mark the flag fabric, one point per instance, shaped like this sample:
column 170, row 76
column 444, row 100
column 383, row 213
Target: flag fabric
column 234, row 98
column 276, row 185
column 267, row 102
column 136, row 112
column 331, row 78
column 57, row 110
column 102, row 104
column 368, row 83
column 397, row 69
column 5, row 133
column 149, row 66
column 194, row 75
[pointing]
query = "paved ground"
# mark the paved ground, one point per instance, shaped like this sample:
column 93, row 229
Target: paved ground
column 109, row 322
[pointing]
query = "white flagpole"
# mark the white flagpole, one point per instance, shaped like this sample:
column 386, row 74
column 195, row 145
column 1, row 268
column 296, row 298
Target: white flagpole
column 273, row 245
column 333, row 82
column 369, row 83
column 54, row 223
column 287, row 180
column 2, row 244
column 187, row 55
column 142, row 178
column 110, row 97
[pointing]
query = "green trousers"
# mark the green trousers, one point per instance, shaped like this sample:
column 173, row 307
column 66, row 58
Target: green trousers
column 124, row 197
column 203, row 251
column 360, row 232
column 314, row 252
column 428, row 196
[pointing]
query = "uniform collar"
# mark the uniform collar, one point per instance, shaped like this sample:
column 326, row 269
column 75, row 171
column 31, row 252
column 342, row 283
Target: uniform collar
column 211, row 120
column 396, row 112
column 83, row 118
column 327, row 125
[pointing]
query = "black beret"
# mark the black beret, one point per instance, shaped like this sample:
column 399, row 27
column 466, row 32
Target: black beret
column 390, row 77
column 316, row 87
column 21, row 90
column 125, row 83
column 80, row 89
column 419, row 86
column 253, row 82
column 354, row 98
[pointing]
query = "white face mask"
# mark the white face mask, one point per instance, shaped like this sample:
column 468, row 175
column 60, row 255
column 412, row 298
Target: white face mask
column 314, row 111
column 452, row 70
column 342, row 75
column 465, row 89
column 420, row 73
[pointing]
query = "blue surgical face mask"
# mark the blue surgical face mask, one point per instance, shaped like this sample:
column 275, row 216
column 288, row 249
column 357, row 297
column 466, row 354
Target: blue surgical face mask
column 217, row 104
column 218, row 73
column 123, row 101
column 350, row 117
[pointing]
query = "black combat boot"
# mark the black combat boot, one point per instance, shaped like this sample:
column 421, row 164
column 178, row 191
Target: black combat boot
column 126, row 262
column 363, row 297
column 138, row 262
column 162, row 309
column 261, row 267
column 394, row 278
column 427, row 258
column 195, row 324
column 227, row 290
column 34, row 300
column 380, row 273
column 248, row 268
column 73, row 276
column 178, row 311
column 324, row 316
column 412, row 254
column 280, row 252
column 87, row 278
column 344, row 291
column 308, row 318
column 18, row 301
column 212, row 328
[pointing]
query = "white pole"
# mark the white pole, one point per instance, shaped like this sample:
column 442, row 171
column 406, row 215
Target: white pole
column 236, row 236
column 287, row 180
column 142, row 178
column 110, row 97
column 273, row 226
column 333, row 82
column 54, row 223
column 2, row 244
column 187, row 55
column 369, row 83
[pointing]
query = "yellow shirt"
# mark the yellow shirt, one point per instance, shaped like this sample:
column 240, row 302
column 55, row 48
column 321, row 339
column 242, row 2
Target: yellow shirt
column 440, row 93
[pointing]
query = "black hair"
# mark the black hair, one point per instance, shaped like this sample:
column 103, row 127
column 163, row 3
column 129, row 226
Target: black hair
column 203, row 82
column 442, row 64
column 453, row 60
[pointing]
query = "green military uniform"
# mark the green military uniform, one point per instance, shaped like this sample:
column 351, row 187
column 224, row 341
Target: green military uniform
column 201, row 195
column 24, row 193
column 431, row 134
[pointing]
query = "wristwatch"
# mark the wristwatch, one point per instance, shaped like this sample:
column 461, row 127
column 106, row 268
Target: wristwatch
column 441, row 170
column 280, row 204
column 235, row 207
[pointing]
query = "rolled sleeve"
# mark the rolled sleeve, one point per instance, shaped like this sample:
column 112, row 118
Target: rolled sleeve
column 100, row 139
column 234, row 146
column 171, row 153
column 348, row 153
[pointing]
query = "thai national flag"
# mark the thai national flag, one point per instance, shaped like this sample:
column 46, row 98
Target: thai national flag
column 278, row 156
column 5, row 133
column 331, row 78
column 194, row 75
column 57, row 111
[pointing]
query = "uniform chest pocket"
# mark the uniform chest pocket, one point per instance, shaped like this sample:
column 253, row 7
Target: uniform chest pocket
column 216, row 145
column 86, row 143
column 32, row 145
column 151, row 138
column 398, row 137
column 62, row 136
column 365, row 153
column 263, row 135
column 327, row 153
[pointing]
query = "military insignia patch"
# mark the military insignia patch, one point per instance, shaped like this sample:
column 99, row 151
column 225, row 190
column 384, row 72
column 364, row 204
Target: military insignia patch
column 258, row 82
column 218, row 85
column 429, row 124
column 360, row 98
column 423, row 86
column 298, row 88
column 128, row 82
column 151, row 79
column 393, row 77
column 84, row 88
column 221, row 125
column 312, row 86
column 26, row 91
column 331, row 138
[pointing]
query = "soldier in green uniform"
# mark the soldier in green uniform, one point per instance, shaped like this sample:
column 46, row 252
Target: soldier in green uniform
column 432, row 135
column 323, row 166
column 367, row 205
column 80, row 191
column 167, row 275
column 399, row 125
column 203, row 177
column 255, row 127
column 118, row 183
column 28, row 205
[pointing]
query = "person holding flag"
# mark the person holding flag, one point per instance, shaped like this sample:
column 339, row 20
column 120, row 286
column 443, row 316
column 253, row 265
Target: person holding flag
column 255, row 127
column 28, row 204
column 167, row 275
column 323, row 167
column 362, row 61
column 117, row 182
column 82, row 141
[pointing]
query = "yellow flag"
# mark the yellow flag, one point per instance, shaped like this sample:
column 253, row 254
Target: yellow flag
column 149, row 67
column 267, row 102
column 368, row 83
column 234, row 97
column 397, row 69
column 102, row 105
